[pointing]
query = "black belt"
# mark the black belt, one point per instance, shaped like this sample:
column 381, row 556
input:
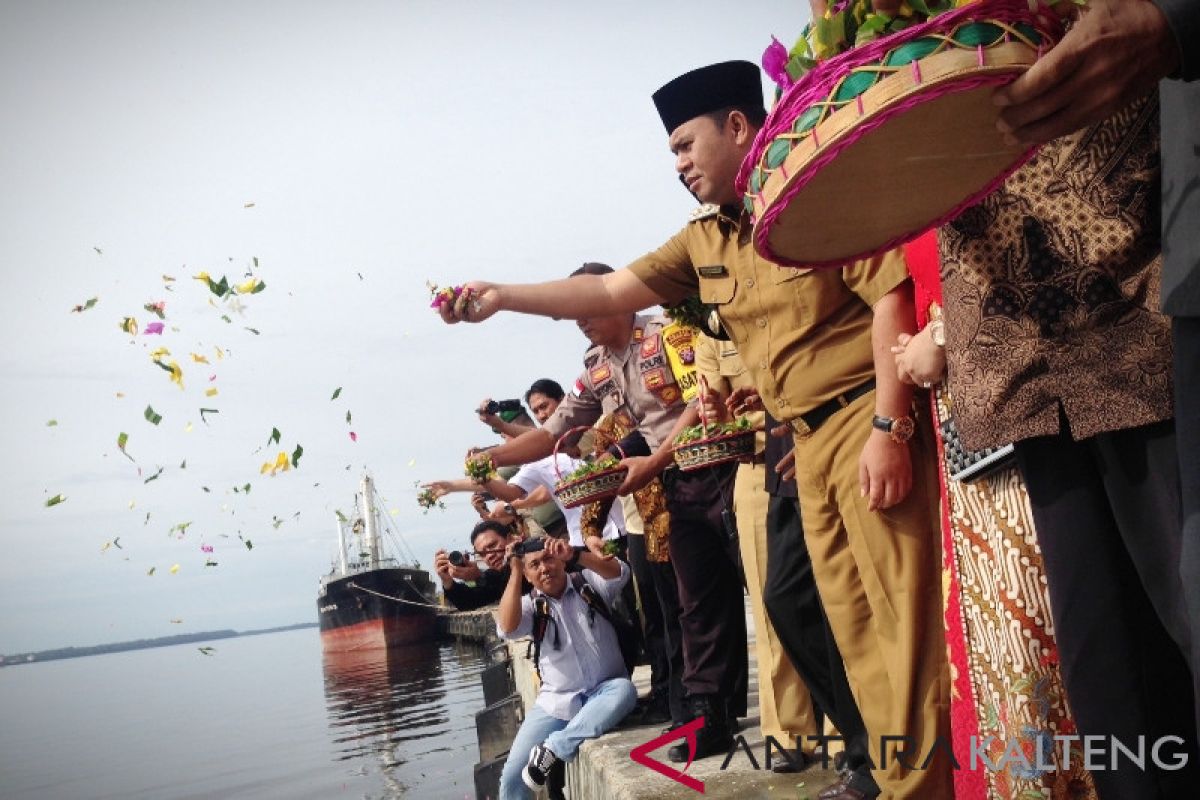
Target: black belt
column 816, row 418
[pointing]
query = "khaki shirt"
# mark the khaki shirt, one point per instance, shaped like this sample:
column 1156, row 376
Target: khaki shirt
column 634, row 384
column 804, row 335
column 719, row 364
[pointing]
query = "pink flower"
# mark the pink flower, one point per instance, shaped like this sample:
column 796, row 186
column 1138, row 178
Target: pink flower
column 153, row 327
column 774, row 63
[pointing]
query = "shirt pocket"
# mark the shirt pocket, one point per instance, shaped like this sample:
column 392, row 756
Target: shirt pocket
column 717, row 290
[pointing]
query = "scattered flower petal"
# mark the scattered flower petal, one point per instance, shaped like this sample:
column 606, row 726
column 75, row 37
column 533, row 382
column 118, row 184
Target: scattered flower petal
column 353, row 436
column 336, row 392
column 79, row 309
column 53, row 501
column 174, row 569
column 153, row 328
column 152, row 416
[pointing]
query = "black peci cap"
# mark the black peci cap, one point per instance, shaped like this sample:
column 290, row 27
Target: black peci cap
column 711, row 88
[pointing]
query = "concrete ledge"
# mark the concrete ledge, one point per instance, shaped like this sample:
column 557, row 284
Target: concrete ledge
column 604, row 771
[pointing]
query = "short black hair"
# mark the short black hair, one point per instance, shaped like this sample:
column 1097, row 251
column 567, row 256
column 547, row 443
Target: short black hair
column 489, row 525
column 593, row 268
column 755, row 115
column 547, row 387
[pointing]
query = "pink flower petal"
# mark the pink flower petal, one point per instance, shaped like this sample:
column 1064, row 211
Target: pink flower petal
column 153, row 327
column 353, row 436
column 774, row 63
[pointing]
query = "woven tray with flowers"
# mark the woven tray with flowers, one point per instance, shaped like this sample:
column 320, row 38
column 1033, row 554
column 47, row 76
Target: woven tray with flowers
column 594, row 479
column 706, row 445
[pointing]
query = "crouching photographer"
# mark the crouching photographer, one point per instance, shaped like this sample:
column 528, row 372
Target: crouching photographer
column 464, row 584
column 585, row 687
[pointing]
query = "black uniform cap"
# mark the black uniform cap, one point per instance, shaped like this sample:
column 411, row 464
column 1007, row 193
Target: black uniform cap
column 711, row 88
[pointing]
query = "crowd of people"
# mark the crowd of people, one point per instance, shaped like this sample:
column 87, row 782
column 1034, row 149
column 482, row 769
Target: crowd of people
column 1031, row 631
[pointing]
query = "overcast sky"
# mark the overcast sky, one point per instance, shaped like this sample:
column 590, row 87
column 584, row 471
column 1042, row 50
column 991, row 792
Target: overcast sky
column 356, row 150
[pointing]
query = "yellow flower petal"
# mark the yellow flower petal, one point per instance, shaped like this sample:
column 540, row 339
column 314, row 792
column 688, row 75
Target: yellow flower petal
column 210, row 391
column 247, row 287
column 199, row 359
column 174, row 568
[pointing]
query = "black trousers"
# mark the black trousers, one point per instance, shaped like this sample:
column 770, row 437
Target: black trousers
column 1186, row 331
column 712, row 609
column 660, row 625
column 795, row 608
column 1107, row 512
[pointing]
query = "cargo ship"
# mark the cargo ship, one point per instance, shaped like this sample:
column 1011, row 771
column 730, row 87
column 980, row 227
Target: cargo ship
column 370, row 599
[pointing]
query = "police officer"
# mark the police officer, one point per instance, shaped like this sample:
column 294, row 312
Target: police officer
column 627, row 373
column 868, row 491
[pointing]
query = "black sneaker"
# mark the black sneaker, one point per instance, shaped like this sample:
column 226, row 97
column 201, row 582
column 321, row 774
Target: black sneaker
column 537, row 769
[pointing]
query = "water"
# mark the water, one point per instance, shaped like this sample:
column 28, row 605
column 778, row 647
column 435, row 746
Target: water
column 261, row 717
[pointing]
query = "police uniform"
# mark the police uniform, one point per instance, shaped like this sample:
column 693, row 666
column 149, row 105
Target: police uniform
column 785, row 710
column 638, row 386
column 805, row 339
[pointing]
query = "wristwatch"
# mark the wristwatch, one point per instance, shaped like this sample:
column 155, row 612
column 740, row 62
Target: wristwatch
column 937, row 332
column 900, row 429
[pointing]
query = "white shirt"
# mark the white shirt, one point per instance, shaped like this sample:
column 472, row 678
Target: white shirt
column 542, row 473
column 588, row 652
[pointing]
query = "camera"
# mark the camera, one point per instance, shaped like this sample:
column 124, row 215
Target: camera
column 528, row 546
column 500, row 406
column 459, row 558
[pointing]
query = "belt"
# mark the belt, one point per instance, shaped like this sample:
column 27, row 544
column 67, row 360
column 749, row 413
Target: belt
column 811, row 420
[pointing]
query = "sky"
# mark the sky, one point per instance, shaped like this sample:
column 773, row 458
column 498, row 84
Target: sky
column 343, row 154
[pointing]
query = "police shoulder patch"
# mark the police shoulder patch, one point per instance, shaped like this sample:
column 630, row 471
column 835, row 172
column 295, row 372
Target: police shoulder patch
column 704, row 212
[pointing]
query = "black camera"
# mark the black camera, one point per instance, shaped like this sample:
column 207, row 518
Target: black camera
column 459, row 558
column 528, row 546
column 500, row 406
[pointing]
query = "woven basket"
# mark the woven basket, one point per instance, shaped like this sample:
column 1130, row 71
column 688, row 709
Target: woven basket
column 831, row 174
column 589, row 489
column 714, row 450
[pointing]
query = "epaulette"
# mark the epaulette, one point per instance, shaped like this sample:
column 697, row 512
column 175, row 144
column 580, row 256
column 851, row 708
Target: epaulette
column 704, row 212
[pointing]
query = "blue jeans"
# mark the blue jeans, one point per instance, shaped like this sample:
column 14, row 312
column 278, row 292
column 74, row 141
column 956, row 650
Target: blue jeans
column 606, row 706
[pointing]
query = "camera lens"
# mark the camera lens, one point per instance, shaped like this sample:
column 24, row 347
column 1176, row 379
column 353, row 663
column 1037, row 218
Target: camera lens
column 530, row 546
column 456, row 558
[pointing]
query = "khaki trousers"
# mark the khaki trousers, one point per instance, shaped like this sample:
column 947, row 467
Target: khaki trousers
column 784, row 708
column 879, row 577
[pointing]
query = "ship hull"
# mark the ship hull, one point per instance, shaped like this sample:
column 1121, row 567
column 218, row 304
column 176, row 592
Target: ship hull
column 353, row 615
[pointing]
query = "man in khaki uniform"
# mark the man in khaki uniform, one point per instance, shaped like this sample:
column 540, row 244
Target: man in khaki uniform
column 784, row 707
column 816, row 346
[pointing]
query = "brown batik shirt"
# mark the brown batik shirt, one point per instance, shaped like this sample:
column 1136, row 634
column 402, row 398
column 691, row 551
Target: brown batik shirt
column 1051, row 291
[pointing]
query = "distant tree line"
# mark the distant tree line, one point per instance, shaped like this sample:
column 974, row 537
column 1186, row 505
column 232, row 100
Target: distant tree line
column 138, row 644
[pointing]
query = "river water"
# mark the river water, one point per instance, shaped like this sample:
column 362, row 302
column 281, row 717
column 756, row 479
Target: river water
column 266, row 716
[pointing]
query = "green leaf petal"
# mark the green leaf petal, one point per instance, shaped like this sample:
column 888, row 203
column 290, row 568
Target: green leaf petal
column 336, row 392
column 152, row 416
column 53, row 501
column 299, row 451
column 274, row 437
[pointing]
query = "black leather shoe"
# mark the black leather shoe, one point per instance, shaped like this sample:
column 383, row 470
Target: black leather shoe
column 798, row 762
column 713, row 738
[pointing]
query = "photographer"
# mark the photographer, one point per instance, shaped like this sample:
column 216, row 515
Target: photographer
column 466, row 586
column 585, row 689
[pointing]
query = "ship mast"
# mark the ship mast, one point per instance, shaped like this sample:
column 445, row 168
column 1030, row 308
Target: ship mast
column 372, row 522
column 341, row 545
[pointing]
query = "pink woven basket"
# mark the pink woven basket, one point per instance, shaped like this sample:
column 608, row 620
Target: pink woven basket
column 887, row 140
column 590, row 488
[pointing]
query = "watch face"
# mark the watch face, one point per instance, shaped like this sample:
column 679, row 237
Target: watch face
column 903, row 428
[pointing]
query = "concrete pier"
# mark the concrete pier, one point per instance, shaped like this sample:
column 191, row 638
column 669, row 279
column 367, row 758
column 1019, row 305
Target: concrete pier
column 605, row 771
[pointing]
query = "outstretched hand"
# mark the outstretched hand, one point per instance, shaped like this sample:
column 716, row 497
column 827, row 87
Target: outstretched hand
column 476, row 302
column 1116, row 52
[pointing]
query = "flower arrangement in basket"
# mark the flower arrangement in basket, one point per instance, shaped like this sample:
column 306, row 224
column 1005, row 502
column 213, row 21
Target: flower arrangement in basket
column 594, row 479
column 705, row 445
